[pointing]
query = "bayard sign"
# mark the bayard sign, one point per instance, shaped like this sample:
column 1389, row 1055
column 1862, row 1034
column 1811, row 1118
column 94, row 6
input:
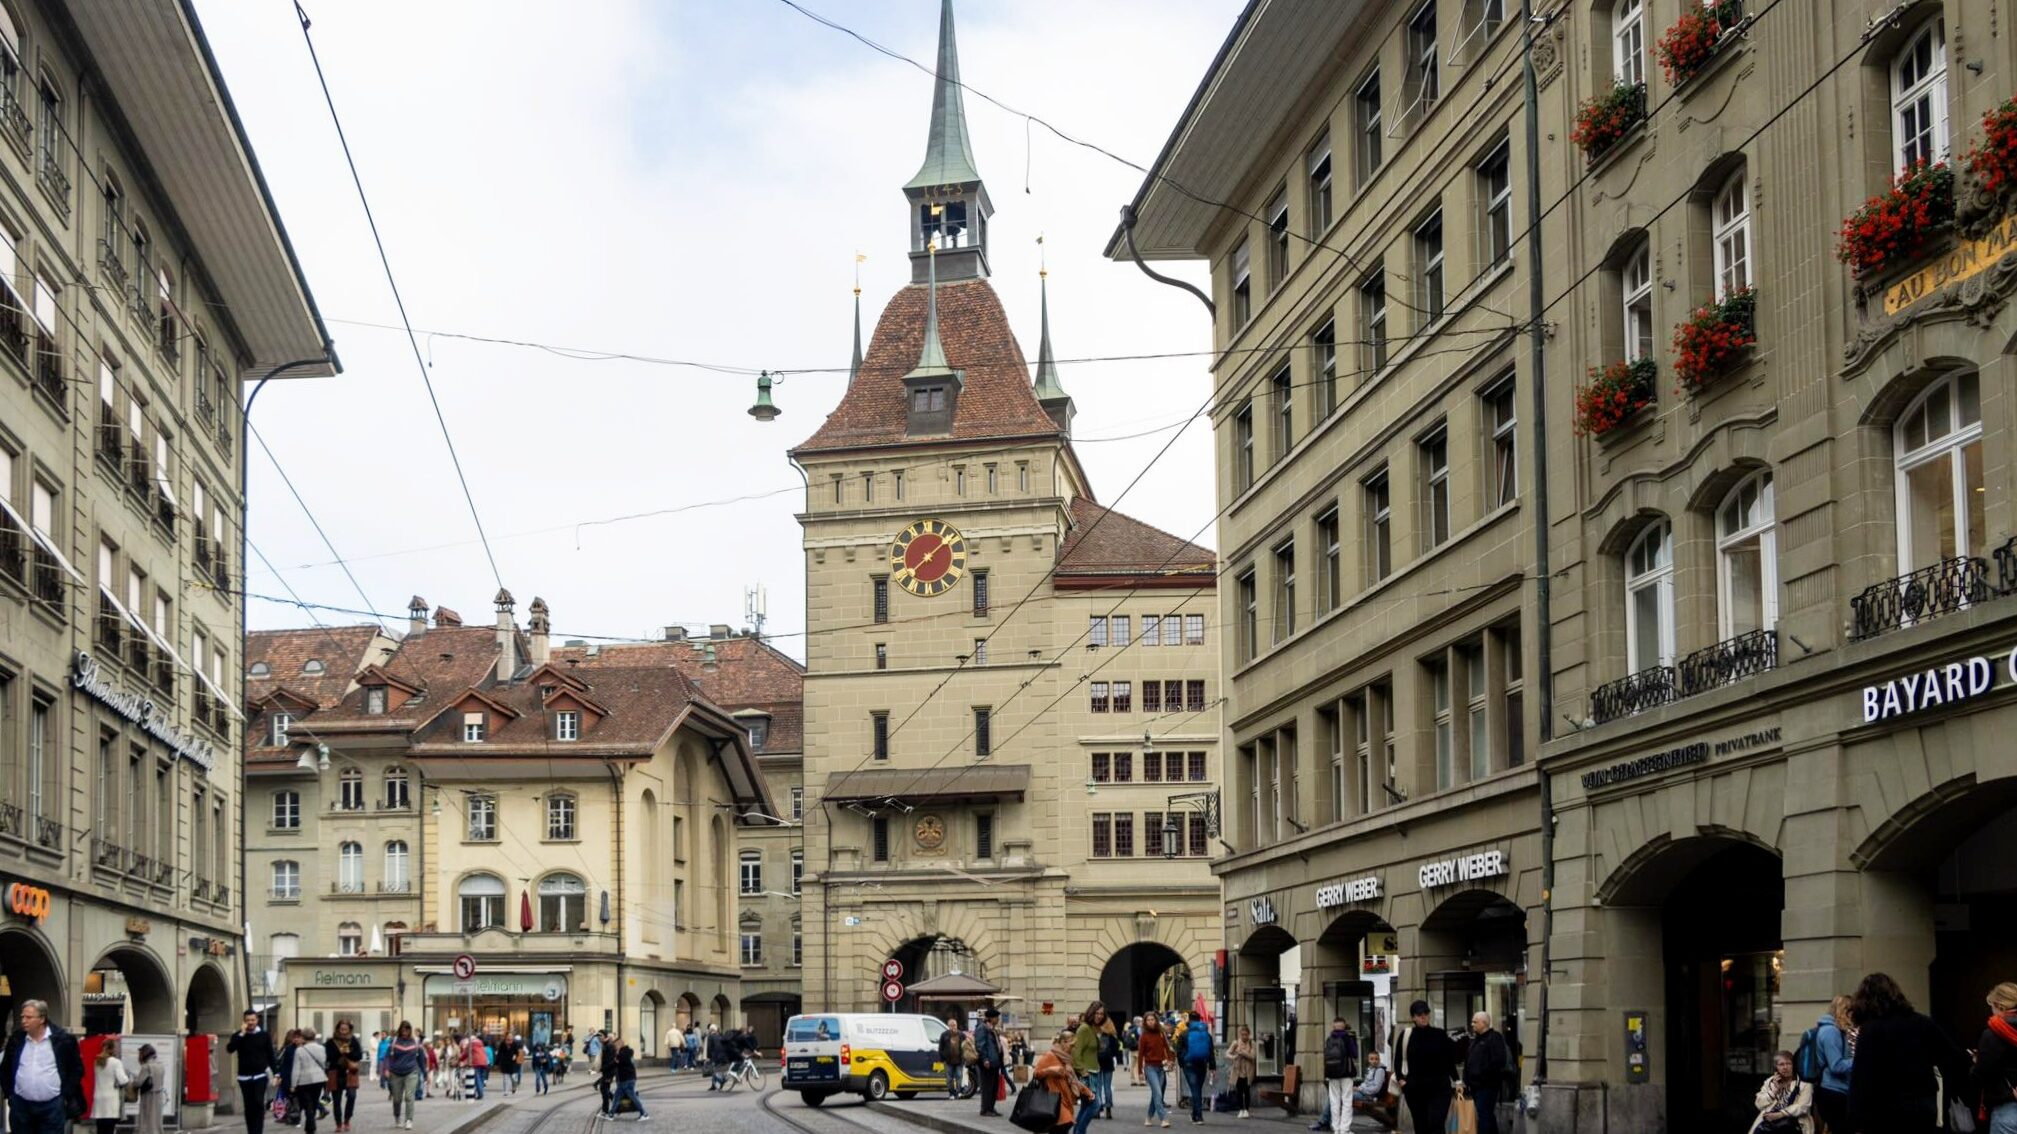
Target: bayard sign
column 1969, row 258
column 1938, row 686
column 86, row 678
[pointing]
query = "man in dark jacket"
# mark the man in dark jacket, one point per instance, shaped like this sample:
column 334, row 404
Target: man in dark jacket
column 720, row 1057
column 1891, row 1086
column 254, row 1050
column 987, row 1060
column 1424, row 1066
column 949, row 1042
column 41, row 1075
column 605, row 1071
column 1485, row 1066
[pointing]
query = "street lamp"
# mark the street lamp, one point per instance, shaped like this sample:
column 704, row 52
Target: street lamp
column 764, row 409
column 1205, row 802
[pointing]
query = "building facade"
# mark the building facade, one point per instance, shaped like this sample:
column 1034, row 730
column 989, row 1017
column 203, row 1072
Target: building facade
column 1011, row 696
column 571, row 828
column 1786, row 622
column 143, row 274
column 1370, row 407
column 763, row 689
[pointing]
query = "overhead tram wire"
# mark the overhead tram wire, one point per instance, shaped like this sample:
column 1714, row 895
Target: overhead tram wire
column 378, row 241
column 308, row 512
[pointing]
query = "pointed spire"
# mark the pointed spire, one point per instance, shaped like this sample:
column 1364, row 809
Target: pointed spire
column 1048, row 385
column 931, row 360
column 854, row 370
column 948, row 156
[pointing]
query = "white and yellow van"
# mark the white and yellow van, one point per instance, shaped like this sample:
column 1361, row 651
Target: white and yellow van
column 873, row 1054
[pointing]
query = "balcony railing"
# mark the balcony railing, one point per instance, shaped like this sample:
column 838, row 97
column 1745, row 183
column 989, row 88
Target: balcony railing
column 223, row 895
column 142, row 867
column 395, row 886
column 13, row 116
column 53, row 176
column 48, row 833
column 224, row 436
column 13, row 327
column 164, row 512
column 13, row 551
column 111, row 262
column 109, row 855
column 164, row 872
column 168, row 333
column 49, row 381
column 111, row 438
column 206, row 412
column 1646, row 689
column 111, row 636
column 1943, row 588
column 200, row 888
column 47, row 582
column 352, row 887
column 164, row 677
column 1728, row 662
column 283, row 893
column 139, row 470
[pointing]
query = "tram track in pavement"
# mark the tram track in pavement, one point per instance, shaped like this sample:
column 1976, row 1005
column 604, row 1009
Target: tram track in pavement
column 586, row 1107
column 828, row 1119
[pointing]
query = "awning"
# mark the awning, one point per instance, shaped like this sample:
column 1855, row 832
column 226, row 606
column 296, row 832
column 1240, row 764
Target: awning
column 979, row 781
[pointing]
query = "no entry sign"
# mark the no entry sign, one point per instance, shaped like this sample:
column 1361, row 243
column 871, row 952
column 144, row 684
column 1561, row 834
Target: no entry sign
column 892, row 990
column 892, row 969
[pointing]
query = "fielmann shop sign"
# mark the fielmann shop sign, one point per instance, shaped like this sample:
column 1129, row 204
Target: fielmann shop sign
column 1940, row 685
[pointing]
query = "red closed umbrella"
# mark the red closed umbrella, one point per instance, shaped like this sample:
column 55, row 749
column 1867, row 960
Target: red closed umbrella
column 525, row 910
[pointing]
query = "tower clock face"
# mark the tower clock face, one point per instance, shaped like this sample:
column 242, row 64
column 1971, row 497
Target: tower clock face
column 928, row 558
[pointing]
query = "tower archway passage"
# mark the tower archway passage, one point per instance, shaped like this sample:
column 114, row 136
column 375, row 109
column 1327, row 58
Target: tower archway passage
column 128, row 990
column 1145, row 977
column 31, row 973
column 206, row 1008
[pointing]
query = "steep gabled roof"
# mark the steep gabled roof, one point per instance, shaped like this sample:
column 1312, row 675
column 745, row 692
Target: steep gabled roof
column 1105, row 542
column 342, row 650
column 995, row 401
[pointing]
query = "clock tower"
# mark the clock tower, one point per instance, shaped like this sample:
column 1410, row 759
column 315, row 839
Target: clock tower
column 954, row 555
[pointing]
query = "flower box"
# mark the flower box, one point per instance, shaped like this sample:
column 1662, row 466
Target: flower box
column 1895, row 226
column 1693, row 41
column 1613, row 395
column 1713, row 340
column 1993, row 161
column 1603, row 120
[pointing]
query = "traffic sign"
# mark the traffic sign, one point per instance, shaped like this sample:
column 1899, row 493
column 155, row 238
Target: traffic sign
column 892, row 969
column 465, row 966
column 892, row 990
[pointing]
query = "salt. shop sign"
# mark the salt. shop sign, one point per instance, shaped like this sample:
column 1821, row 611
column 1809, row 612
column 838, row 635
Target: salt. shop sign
column 1349, row 893
column 141, row 710
column 1261, row 911
column 1969, row 258
column 1469, row 868
column 1941, row 685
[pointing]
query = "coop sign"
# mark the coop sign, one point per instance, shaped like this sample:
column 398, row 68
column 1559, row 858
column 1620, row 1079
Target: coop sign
column 86, row 678
column 1349, row 893
column 1969, row 258
column 1468, row 868
column 1940, row 685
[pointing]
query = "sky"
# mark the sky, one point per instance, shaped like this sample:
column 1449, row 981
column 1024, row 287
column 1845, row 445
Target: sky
column 685, row 180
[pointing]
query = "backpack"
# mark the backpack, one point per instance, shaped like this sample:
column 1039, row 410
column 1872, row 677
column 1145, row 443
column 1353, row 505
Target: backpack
column 1807, row 1057
column 1197, row 1046
column 967, row 1052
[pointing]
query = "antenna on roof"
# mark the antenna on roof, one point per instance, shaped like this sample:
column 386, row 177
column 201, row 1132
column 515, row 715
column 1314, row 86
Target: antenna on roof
column 755, row 601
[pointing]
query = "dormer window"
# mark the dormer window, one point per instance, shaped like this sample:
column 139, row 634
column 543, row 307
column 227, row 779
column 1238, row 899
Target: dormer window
column 473, row 728
column 567, row 725
column 260, row 669
column 276, row 729
column 374, row 700
column 928, row 399
column 311, row 667
column 759, row 732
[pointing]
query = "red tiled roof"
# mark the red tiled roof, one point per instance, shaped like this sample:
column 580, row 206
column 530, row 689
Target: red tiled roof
column 642, row 703
column 443, row 662
column 1105, row 542
column 996, row 399
column 748, row 673
column 343, row 652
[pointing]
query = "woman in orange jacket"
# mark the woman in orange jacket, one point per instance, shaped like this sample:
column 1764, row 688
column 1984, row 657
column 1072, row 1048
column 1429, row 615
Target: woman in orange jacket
column 1054, row 1070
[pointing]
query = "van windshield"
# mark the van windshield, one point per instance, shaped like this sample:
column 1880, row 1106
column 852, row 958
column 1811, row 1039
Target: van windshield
column 933, row 1029
column 812, row 1029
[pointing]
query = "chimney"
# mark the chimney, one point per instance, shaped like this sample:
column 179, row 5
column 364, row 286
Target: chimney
column 446, row 618
column 708, row 657
column 539, row 626
column 507, row 636
column 675, row 633
column 416, row 616
column 718, row 631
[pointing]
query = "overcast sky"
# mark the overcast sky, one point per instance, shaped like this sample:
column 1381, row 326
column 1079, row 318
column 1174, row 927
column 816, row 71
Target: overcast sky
column 682, row 180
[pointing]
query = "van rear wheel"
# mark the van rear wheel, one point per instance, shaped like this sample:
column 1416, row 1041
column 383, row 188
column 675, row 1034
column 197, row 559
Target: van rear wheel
column 878, row 1087
column 814, row 1098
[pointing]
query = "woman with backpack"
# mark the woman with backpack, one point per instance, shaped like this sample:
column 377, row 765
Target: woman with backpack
column 1996, row 1061
column 1196, row 1056
column 1825, row 1057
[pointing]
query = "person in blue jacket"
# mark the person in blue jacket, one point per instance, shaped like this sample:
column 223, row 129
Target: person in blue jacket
column 1838, row 1056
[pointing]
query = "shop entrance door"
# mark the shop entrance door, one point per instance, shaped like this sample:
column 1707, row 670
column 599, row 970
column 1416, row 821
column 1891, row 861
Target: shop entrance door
column 1353, row 1001
column 1272, row 1022
column 1722, row 958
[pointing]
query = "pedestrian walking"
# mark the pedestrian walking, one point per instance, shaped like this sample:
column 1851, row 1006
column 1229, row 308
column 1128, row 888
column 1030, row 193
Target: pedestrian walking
column 1240, row 1055
column 405, row 1065
column 1785, row 1103
column 1055, row 1071
column 307, row 1074
column 1112, row 1059
column 1424, row 1068
column 1152, row 1054
column 718, row 1057
column 1486, row 1066
column 1197, row 1058
column 1131, row 1044
column 1904, row 1063
column 382, row 1042
column 1996, row 1061
column 987, row 1051
column 623, row 1069
column 108, row 1087
column 253, row 1050
column 345, row 1057
column 1835, row 1048
column 605, row 1067
column 1086, row 1062
column 147, row 1082
column 693, row 1047
column 476, row 1057
column 951, row 1054
column 1341, row 1066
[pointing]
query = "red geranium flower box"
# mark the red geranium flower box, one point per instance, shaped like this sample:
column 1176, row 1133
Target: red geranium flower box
column 1894, row 226
column 1692, row 41
column 1614, row 394
column 1714, row 339
column 1604, row 119
column 1994, row 161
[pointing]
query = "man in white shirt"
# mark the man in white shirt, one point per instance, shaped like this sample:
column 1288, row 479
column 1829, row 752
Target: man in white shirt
column 41, row 1074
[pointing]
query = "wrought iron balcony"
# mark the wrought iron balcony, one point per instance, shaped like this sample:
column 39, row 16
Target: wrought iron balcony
column 53, row 176
column 49, row 381
column 164, row 872
column 108, row 854
column 206, row 412
column 224, row 436
column 111, row 262
column 169, row 333
column 1728, row 662
column 200, row 888
column 1943, row 588
column 1646, row 689
column 13, row 821
column 351, row 887
column 13, row 117
column 142, row 867
column 48, row 833
column 396, row 886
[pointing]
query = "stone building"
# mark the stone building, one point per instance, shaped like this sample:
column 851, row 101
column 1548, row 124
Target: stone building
column 763, row 689
column 1370, row 405
column 573, row 829
column 1010, row 689
column 143, row 274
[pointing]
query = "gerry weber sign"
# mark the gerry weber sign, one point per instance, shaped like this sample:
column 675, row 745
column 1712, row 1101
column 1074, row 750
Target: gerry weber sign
column 1940, row 685
column 135, row 707
column 1349, row 893
column 1469, row 868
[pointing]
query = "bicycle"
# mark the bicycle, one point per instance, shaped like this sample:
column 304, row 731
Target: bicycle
column 745, row 1072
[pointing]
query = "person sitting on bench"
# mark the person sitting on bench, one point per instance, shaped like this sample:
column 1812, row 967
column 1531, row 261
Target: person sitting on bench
column 1373, row 1088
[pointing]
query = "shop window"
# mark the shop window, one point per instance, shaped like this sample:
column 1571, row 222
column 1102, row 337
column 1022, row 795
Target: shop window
column 1636, row 282
column 350, row 790
column 350, row 868
column 1747, row 576
column 1731, row 218
column 563, row 904
column 1939, row 474
column 1628, row 42
column 350, row 940
column 561, row 809
column 286, row 885
column 751, row 867
column 1649, row 598
column 287, row 810
column 1919, row 97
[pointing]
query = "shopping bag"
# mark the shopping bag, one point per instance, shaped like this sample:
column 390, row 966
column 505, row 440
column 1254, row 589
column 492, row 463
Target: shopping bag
column 1000, row 1087
column 1036, row 1108
column 1463, row 1116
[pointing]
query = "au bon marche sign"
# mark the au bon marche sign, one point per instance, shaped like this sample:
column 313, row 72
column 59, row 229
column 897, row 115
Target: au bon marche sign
column 1969, row 258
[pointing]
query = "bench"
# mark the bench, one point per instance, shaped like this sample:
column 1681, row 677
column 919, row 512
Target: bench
column 1283, row 1096
column 1386, row 1112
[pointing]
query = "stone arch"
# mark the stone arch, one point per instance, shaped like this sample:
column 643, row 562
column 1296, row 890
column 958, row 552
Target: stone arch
column 206, row 1006
column 963, row 924
column 1145, row 976
column 650, row 1021
column 1646, row 875
column 686, row 1009
column 1897, row 388
column 721, row 1009
column 33, row 973
column 150, row 1004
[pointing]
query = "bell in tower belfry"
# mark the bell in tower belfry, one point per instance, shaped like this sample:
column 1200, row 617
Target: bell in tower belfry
column 949, row 204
